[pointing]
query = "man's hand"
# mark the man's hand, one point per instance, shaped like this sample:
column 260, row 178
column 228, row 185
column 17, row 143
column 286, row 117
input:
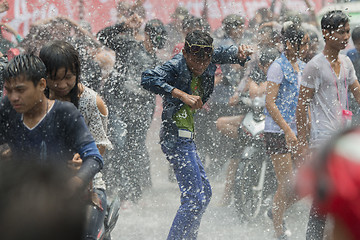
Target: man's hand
column 75, row 163
column 193, row 101
column 244, row 51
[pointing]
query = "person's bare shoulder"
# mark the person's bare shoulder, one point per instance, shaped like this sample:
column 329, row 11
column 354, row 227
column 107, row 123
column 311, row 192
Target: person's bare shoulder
column 101, row 106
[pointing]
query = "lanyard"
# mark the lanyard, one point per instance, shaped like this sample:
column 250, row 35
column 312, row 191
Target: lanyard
column 346, row 86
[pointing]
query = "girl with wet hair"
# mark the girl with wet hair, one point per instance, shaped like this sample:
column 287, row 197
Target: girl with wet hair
column 282, row 92
column 63, row 73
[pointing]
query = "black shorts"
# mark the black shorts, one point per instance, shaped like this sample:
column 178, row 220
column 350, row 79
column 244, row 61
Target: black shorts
column 276, row 143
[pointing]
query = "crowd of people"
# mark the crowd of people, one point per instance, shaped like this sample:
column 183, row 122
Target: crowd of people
column 85, row 102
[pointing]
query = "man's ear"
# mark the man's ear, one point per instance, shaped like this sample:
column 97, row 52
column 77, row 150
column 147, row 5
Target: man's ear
column 42, row 84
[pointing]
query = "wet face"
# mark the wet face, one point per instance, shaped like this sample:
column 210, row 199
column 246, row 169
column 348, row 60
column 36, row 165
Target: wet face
column 338, row 38
column 23, row 95
column 62, row 84
column 195, row 64
column 304, row 46
column 237, row 31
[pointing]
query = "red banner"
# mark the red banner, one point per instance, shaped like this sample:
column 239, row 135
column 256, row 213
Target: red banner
column 101, row 13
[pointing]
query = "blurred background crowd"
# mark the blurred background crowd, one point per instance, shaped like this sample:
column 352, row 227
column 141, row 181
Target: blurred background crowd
column 119, row 40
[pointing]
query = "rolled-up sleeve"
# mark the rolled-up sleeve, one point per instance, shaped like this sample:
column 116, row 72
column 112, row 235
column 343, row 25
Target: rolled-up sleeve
column 159, row 79
column 228, row 55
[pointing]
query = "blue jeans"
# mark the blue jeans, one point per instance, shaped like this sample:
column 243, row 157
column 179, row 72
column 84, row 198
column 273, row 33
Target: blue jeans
column 194, row 186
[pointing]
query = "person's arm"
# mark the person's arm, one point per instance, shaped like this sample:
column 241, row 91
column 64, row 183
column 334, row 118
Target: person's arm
column 355, row 89
column 272, row 92
column 102, row 108
column 232, row 54
column 256, row 90
column 11, row 30
column 160, row 80
column 193, row 101
column 302, row 121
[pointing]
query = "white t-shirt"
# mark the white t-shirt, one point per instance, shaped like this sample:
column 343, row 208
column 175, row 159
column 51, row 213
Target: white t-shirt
column 326, row 107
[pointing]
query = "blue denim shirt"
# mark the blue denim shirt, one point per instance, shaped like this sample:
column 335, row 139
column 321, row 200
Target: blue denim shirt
column 288, row 94
column 175, row 74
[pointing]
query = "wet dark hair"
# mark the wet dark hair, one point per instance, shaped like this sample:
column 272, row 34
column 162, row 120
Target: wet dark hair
column 231, row 22
column 61, row 54
column 27, row 65
column 156, row 30
column 268, row 55
column 198, row 37
column 355, row 35
column 191, row 23
column 333, row 19
column 292, row 33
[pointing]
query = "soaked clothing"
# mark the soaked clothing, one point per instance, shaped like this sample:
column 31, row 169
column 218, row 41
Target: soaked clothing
column 184, row 118
column 97, row 124
column 180, row 151
column 194, row 187
column 54, row 140
column 326, row 107
column 281, row 72
column 175, row 74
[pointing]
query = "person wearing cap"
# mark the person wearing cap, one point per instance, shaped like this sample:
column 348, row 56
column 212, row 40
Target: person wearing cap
column 185, row 83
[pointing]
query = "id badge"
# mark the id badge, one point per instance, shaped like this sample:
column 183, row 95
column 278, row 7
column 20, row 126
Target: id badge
column 346, row 117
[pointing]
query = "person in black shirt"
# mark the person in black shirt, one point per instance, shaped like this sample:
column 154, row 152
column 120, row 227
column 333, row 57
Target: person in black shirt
column 35, row 127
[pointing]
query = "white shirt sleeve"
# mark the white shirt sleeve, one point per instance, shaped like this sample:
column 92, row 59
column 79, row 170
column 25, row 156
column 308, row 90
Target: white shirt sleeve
column 310, row 76
column 275, row 73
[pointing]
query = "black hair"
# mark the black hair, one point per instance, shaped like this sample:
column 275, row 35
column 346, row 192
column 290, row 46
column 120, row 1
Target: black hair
column 27, row 65
column 333, row 19
column 231, row 22
column 191, row 23
column 355, row 35
column 198, row 37
column 292, row 33
column 156, row 30
column 268, row 55
column 61, row 54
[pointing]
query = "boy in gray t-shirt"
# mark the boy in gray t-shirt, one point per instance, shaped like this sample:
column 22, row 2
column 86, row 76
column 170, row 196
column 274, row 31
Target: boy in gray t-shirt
column 325, row 82
column 329, row 96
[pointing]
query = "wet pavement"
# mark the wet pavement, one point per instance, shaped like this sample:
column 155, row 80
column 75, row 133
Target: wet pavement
column 151, row 218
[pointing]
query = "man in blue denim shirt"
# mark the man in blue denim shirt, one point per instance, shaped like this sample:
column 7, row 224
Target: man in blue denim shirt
column 185, row 83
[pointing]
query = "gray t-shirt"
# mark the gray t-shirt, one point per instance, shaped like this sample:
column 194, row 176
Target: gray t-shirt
column 330, row 96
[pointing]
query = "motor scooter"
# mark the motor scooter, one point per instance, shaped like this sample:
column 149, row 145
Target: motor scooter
column 111, row 217
column 255, row 180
